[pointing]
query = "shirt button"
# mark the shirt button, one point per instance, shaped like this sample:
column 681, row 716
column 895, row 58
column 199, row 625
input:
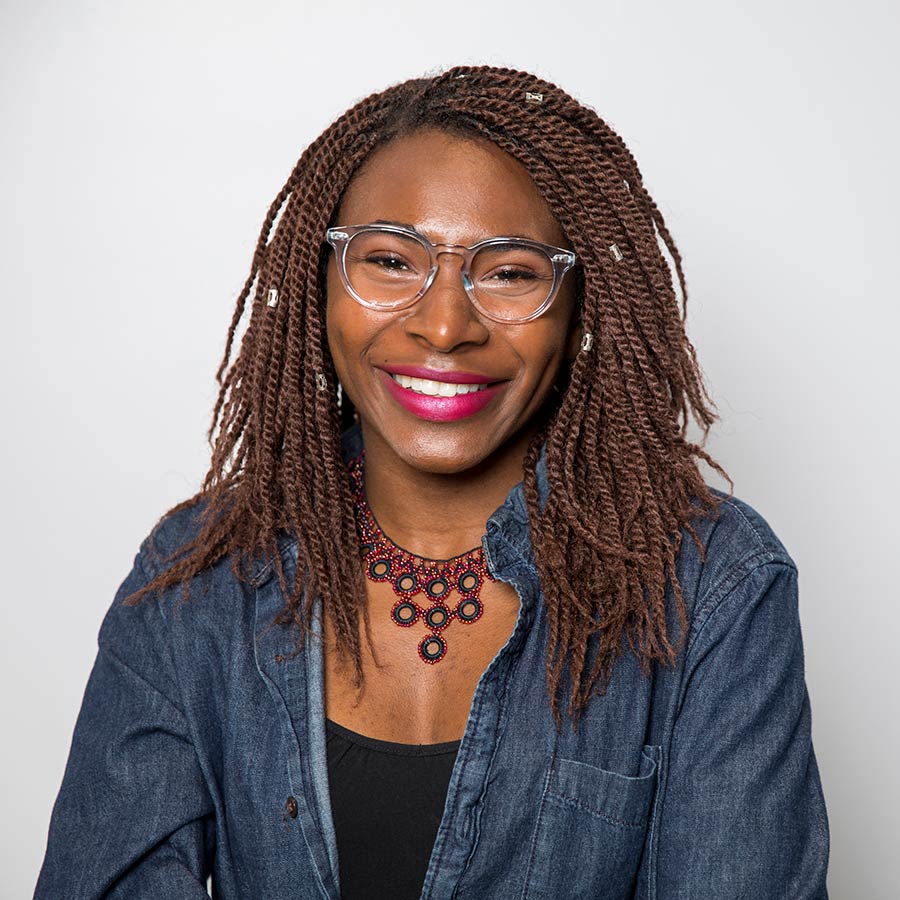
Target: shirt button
column 291, row 807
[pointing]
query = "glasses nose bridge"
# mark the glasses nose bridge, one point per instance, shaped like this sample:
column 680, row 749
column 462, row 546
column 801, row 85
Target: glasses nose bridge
column 461, row 250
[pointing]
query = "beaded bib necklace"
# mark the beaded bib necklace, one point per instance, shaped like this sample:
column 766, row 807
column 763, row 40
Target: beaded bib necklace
column 410, row 575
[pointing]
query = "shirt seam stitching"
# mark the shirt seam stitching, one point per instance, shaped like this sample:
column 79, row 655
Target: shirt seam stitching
column 741, row 577
column 105, row 648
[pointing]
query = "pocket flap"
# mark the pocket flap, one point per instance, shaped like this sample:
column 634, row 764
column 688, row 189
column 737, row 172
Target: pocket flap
column 623, row 797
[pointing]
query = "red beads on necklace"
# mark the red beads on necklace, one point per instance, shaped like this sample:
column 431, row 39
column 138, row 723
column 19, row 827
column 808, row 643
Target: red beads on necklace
column 410, row 575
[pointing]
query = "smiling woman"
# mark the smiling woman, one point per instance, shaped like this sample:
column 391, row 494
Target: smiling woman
column 450, row 488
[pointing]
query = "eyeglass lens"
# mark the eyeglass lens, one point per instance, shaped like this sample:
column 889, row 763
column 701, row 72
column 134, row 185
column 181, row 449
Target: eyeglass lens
column 387, row 268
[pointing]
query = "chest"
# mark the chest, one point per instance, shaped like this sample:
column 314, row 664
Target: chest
column 403, row 698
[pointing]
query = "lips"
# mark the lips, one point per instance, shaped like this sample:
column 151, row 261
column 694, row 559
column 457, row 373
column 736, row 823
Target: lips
column 440, row 396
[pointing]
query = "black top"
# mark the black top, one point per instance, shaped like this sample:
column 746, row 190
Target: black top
column 387, row 800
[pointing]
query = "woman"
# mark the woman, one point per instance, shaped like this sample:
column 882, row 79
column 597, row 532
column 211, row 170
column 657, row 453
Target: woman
column 463, row 618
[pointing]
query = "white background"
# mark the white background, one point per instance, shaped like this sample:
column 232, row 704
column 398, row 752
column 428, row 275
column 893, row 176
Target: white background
column 140, row 146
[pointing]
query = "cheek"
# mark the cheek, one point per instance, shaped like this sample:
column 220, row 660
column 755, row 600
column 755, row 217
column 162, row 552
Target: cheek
column 330, row 294
column 339, row 342
column 350, row 331
column 543, row 349
column 339, row 323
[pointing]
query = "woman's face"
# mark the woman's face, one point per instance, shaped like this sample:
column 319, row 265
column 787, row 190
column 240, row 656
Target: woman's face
column 453, row 191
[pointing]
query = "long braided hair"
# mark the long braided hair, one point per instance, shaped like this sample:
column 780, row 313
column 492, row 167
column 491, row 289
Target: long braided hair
column 623, row 479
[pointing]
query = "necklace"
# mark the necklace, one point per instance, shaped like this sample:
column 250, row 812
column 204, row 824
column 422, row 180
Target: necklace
column 410, row 575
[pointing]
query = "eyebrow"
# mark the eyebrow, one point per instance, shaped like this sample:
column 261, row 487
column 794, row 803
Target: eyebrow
column 392, row 222
column 412, row 227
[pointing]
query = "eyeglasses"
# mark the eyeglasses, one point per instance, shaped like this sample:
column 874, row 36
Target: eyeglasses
column 390, row 267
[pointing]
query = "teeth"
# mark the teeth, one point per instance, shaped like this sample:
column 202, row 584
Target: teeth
column 436, row 388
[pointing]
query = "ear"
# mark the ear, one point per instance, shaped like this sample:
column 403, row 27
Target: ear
column 573, row 342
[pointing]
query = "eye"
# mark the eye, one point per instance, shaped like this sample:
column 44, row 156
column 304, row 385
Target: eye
column 513, row 274
column 509, row 266
column 388, row 261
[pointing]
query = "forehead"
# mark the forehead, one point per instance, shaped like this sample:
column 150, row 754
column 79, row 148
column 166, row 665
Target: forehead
column 450, row 188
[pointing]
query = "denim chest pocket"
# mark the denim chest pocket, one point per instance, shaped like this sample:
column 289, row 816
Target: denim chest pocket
column 592, row 826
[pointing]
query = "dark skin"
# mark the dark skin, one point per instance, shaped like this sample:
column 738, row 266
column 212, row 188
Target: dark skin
column 458, row 473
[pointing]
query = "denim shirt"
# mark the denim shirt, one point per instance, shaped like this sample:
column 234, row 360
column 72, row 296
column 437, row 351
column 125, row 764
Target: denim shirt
column 200, row 746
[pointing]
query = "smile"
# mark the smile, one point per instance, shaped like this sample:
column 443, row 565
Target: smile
column 436, row 388
column 439, row 401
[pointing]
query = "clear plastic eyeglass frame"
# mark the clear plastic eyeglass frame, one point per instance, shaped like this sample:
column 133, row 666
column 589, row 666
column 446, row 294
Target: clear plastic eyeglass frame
column 562, row 260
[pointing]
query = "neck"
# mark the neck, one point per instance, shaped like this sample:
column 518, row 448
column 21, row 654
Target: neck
column 438, row 515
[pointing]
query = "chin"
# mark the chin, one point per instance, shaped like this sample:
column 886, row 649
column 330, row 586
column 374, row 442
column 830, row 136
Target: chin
column 451, row 448
column 440, row 457
column 446, row 455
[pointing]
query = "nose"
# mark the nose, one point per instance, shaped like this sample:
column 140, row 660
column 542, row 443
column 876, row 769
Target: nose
column 444, row 317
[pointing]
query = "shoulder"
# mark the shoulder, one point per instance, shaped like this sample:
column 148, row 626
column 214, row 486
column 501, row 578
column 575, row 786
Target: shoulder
column 180, row 633
column 744, row 563
column 135, row 631
column 171, row 538
column 741, row 535
column 171, row 535
column 209, row 601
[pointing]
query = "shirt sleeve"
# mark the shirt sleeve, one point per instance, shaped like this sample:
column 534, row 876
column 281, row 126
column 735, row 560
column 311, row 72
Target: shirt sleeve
column 743, row 815
column 133, row 817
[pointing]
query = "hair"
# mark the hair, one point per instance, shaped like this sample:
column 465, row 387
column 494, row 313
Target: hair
column 623, row 480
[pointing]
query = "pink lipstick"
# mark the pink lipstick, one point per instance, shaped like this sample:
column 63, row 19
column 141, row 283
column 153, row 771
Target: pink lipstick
column 441, row 408
column 452, row 375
